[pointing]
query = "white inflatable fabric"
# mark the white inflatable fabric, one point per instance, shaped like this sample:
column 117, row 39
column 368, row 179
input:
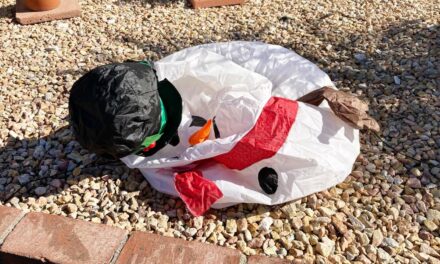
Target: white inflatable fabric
column 249, row 89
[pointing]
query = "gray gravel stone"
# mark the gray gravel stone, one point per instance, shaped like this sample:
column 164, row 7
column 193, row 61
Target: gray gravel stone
column 23, row 179
column 40, row 191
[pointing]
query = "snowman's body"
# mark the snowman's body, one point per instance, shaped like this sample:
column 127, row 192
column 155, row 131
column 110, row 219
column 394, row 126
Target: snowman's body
column 249, row 88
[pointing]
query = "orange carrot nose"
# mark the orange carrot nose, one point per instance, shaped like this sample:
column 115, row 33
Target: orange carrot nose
column 202, row 134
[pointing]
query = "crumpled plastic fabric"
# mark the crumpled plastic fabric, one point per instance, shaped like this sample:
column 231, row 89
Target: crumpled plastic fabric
column 232, row 82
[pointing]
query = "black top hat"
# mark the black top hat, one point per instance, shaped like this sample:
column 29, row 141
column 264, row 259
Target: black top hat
column 114, row 108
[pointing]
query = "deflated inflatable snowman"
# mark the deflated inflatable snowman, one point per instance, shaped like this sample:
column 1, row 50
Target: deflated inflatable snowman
column 221, row 124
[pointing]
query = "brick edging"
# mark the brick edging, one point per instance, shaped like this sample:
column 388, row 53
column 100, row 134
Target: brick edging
column 40, row 238
column 118, row 250
column 9, row 218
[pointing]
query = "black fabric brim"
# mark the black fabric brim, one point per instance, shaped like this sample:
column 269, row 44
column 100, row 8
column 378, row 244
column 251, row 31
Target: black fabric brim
column 172, row 102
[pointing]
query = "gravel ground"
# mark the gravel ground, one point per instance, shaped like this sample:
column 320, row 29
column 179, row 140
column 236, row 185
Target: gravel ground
column 388, row 209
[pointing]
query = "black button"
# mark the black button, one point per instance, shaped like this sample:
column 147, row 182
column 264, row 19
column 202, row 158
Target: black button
column 268, row 179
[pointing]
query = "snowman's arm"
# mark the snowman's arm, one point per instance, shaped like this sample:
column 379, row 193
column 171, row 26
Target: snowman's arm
column 197, row 192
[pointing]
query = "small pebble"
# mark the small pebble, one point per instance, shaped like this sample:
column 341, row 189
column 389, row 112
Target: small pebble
column 40, row 191
column 265, row 224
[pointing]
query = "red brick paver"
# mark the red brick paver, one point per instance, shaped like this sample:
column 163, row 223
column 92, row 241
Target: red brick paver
column 144, row 248
column 266, row 260
column 41, row 238
column 212, row 3
column 57, row 239
column 8, row 218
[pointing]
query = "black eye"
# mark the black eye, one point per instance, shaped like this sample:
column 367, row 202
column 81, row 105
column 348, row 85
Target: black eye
column 268, row 179
column 198, row 121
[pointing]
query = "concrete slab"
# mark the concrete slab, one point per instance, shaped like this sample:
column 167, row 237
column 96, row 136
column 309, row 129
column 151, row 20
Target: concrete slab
column 211, row 3
column 66, row 9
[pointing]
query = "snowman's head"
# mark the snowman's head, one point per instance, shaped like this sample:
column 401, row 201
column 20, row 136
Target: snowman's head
column 121, row 109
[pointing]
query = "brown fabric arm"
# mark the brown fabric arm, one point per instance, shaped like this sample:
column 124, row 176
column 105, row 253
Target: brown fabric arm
column 346, row 106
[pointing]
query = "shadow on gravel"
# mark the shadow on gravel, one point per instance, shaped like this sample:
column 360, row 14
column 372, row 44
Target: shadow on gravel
column 53, row 173
column 167, row 45
column 399, row 74
column 7, row 11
